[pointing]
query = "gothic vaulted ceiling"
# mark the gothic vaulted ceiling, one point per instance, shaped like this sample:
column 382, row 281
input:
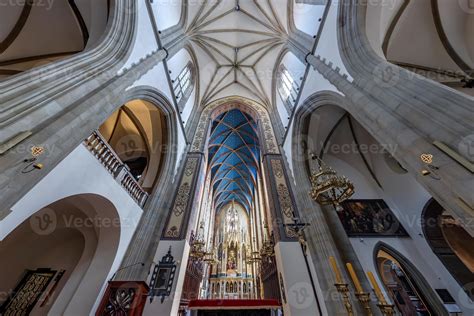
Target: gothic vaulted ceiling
column 37, row 32
column 233, row 159
column 237, row 43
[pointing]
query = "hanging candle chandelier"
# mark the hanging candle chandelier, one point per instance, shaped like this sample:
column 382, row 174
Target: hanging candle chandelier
column 328, row 188
column 210, row 257
column 253, row 257
column 197, row 247
column 268, row 247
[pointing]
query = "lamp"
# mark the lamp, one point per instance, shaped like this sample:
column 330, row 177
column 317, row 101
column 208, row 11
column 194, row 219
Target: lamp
column 268, row 247
column 253, row 257
column 197, row 247
column 210, row 257
column 328, row 188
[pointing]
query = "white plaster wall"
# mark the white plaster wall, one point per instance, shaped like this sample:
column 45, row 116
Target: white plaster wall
column 145, row 41
column 306, row 16
column 380, row 13
column 327, row 46
column 167, row 13
column 79, row 173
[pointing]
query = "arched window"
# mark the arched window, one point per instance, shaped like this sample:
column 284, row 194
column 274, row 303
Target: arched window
column 288, row 88
column 183, row 85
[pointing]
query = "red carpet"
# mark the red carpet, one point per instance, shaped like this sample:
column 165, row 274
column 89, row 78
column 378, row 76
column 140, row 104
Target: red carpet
column 233, row 304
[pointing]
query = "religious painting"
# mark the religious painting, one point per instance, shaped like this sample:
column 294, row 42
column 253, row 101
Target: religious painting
column 369, row 218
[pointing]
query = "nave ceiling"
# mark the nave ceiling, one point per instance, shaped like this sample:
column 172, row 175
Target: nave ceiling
column 237, row 43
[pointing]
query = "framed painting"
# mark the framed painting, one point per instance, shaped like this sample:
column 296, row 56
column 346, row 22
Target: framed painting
column 369, row 218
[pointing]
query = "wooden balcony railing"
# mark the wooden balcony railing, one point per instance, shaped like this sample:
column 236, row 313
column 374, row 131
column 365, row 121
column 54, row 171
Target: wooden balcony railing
column 120, row 171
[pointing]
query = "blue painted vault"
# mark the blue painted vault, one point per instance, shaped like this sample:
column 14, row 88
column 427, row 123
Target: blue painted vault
column 234, row 154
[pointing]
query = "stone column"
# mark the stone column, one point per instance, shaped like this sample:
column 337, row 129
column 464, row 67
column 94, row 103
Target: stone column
column 176, row 233
column 58, row 105
column 299, row 295
column 391, row 122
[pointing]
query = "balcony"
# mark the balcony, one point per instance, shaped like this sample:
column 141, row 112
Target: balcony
column 96, row 144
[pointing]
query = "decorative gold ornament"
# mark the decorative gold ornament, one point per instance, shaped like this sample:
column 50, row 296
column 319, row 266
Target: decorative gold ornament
column 328, row 188
column 343, row 289
column 427, row 158
column 197, row 247
column 253, row 257
column 268, row 248
column 211, row 257
column 364, row 300
column 386, row 309
column 37, row 151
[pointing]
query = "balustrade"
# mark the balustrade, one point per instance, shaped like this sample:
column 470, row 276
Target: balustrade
column 120, row 171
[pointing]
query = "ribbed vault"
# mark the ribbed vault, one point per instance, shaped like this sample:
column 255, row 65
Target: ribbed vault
column 237, row 42
column 234, row 154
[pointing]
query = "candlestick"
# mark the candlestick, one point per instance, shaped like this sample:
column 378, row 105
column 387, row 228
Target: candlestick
column 354, row 278
column 376, row 287
column 336, row 270
column 344, row 290
column 364, row 299
column 385, row 308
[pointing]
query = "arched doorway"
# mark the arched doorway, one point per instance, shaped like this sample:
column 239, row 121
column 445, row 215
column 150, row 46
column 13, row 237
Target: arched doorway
column 450, row 242
column 405, row 285
column 36, row 33
column 66, row 250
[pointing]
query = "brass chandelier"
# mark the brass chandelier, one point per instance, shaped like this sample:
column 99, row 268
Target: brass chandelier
column 210, row 257
column 253, row 257
column 268, row 248
column 328, row 188
column 197, row 251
